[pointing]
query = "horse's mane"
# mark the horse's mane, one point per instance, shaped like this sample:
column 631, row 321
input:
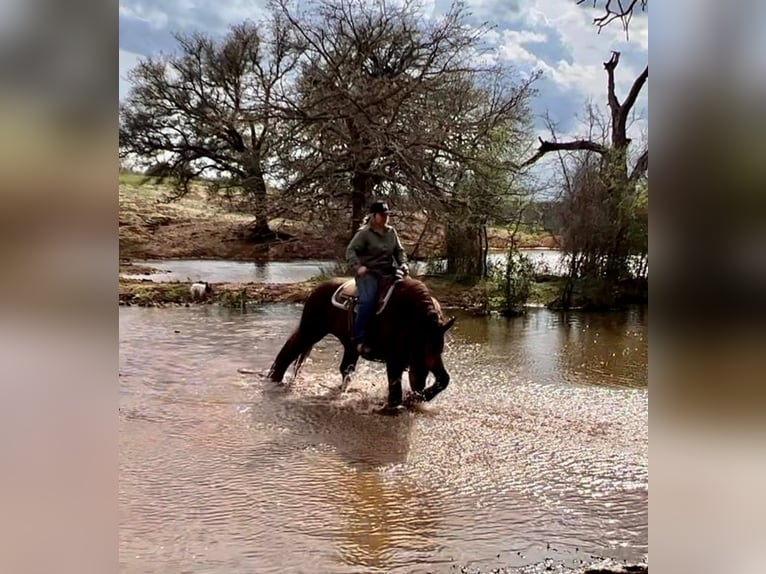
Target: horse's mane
column 416, row 293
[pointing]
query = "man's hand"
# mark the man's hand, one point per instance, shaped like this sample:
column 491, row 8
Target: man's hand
column 405, row 269
column 361, row 271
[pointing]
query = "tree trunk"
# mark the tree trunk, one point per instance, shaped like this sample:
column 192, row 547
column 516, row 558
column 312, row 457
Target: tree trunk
column 255, row 191
column 465, row 257
column 362, row 185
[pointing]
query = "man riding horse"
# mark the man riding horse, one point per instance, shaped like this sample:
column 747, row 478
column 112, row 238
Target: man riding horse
column 373, row 254
column 408, row 334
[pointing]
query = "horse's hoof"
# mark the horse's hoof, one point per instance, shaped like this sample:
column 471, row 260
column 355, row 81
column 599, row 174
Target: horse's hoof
column 418, row 397
column 390, row 410
column 429, row 393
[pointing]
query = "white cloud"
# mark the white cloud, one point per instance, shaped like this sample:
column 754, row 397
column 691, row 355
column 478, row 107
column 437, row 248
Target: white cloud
column 512, row 45
column 576, row 23
column 155, row 17
column 519, row 54
column 213, row 17
column 236, row 11
column 577, row 67
column 585, row 79
column 556, row 36
column 128, row 61
column 578, row 34
column 127, row 12
column 524, row 36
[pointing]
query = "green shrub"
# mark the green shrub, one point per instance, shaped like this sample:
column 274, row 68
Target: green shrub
column 509, row 283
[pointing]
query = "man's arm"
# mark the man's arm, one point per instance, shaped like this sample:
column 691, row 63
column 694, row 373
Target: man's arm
column 352, row 251
column 399, row 255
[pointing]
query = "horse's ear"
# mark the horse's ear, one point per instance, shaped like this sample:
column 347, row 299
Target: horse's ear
column 448, row 324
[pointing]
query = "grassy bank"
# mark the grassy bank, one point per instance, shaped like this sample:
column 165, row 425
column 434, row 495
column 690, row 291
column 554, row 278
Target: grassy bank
column 150, row 294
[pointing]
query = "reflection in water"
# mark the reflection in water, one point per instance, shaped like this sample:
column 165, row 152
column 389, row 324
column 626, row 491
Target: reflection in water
column 577, row 348
column 384, row 524
column 540, row 438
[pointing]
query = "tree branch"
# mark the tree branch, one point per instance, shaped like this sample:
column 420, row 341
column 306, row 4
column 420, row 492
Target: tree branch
column 614, row 103
column 624, row 13
column 546, row 146
column 642, row 164
column 635, row 90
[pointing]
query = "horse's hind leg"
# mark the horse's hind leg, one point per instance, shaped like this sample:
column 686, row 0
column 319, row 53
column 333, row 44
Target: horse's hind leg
column 295, row 350
column 289, row 352
column 348, row 365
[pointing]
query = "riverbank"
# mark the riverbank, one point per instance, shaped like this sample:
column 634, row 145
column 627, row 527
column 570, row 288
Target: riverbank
column 194, row 227
column 605, row 567
column 151, row 226
column 146, row 293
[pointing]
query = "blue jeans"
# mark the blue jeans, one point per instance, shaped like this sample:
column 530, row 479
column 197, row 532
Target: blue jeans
column 367, row 288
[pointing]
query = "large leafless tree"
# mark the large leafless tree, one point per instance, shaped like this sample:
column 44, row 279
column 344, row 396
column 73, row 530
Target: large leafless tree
column 392, row 104
column 615, row 154
column 601, row 188
column 208, row 112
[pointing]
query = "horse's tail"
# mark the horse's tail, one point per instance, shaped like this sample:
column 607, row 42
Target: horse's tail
column 314, row 325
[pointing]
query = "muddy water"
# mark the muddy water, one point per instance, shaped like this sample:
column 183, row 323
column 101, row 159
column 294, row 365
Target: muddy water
column 537, row 452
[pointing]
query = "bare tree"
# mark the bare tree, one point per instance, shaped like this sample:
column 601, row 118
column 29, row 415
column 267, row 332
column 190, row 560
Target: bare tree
column 391, row 104
column 209, row 112
column 622, row 10
column 616, row 154
column 601, row 191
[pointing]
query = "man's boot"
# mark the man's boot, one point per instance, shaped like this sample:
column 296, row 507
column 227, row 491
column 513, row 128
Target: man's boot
column 363, row 349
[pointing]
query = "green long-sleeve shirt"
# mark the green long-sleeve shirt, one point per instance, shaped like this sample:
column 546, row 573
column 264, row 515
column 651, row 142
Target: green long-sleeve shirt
column 379, row 251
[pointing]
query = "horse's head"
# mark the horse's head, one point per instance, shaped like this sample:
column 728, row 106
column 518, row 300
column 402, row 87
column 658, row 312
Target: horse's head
column 428, row 358
column 423, row 325
column 433, row 341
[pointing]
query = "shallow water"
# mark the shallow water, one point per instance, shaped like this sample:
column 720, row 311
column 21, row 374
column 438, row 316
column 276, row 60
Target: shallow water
column 227, row 271
column 538, row 449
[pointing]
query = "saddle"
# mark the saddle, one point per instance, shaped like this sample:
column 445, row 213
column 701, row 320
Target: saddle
column 346, row 296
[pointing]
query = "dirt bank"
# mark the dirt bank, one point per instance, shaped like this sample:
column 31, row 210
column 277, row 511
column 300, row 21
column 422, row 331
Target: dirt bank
column 153, row 227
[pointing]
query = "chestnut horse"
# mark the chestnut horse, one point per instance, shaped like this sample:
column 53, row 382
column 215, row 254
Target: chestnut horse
column 409, row 333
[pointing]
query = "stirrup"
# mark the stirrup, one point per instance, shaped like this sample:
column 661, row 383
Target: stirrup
column 363, row 349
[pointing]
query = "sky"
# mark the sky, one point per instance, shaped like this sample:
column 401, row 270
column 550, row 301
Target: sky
column 555, row 36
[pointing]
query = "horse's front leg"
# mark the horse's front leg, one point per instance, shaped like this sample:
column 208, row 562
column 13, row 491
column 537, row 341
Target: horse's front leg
column 418, row 375
column 442, row 380
column 348, row 365
column 394, row 370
